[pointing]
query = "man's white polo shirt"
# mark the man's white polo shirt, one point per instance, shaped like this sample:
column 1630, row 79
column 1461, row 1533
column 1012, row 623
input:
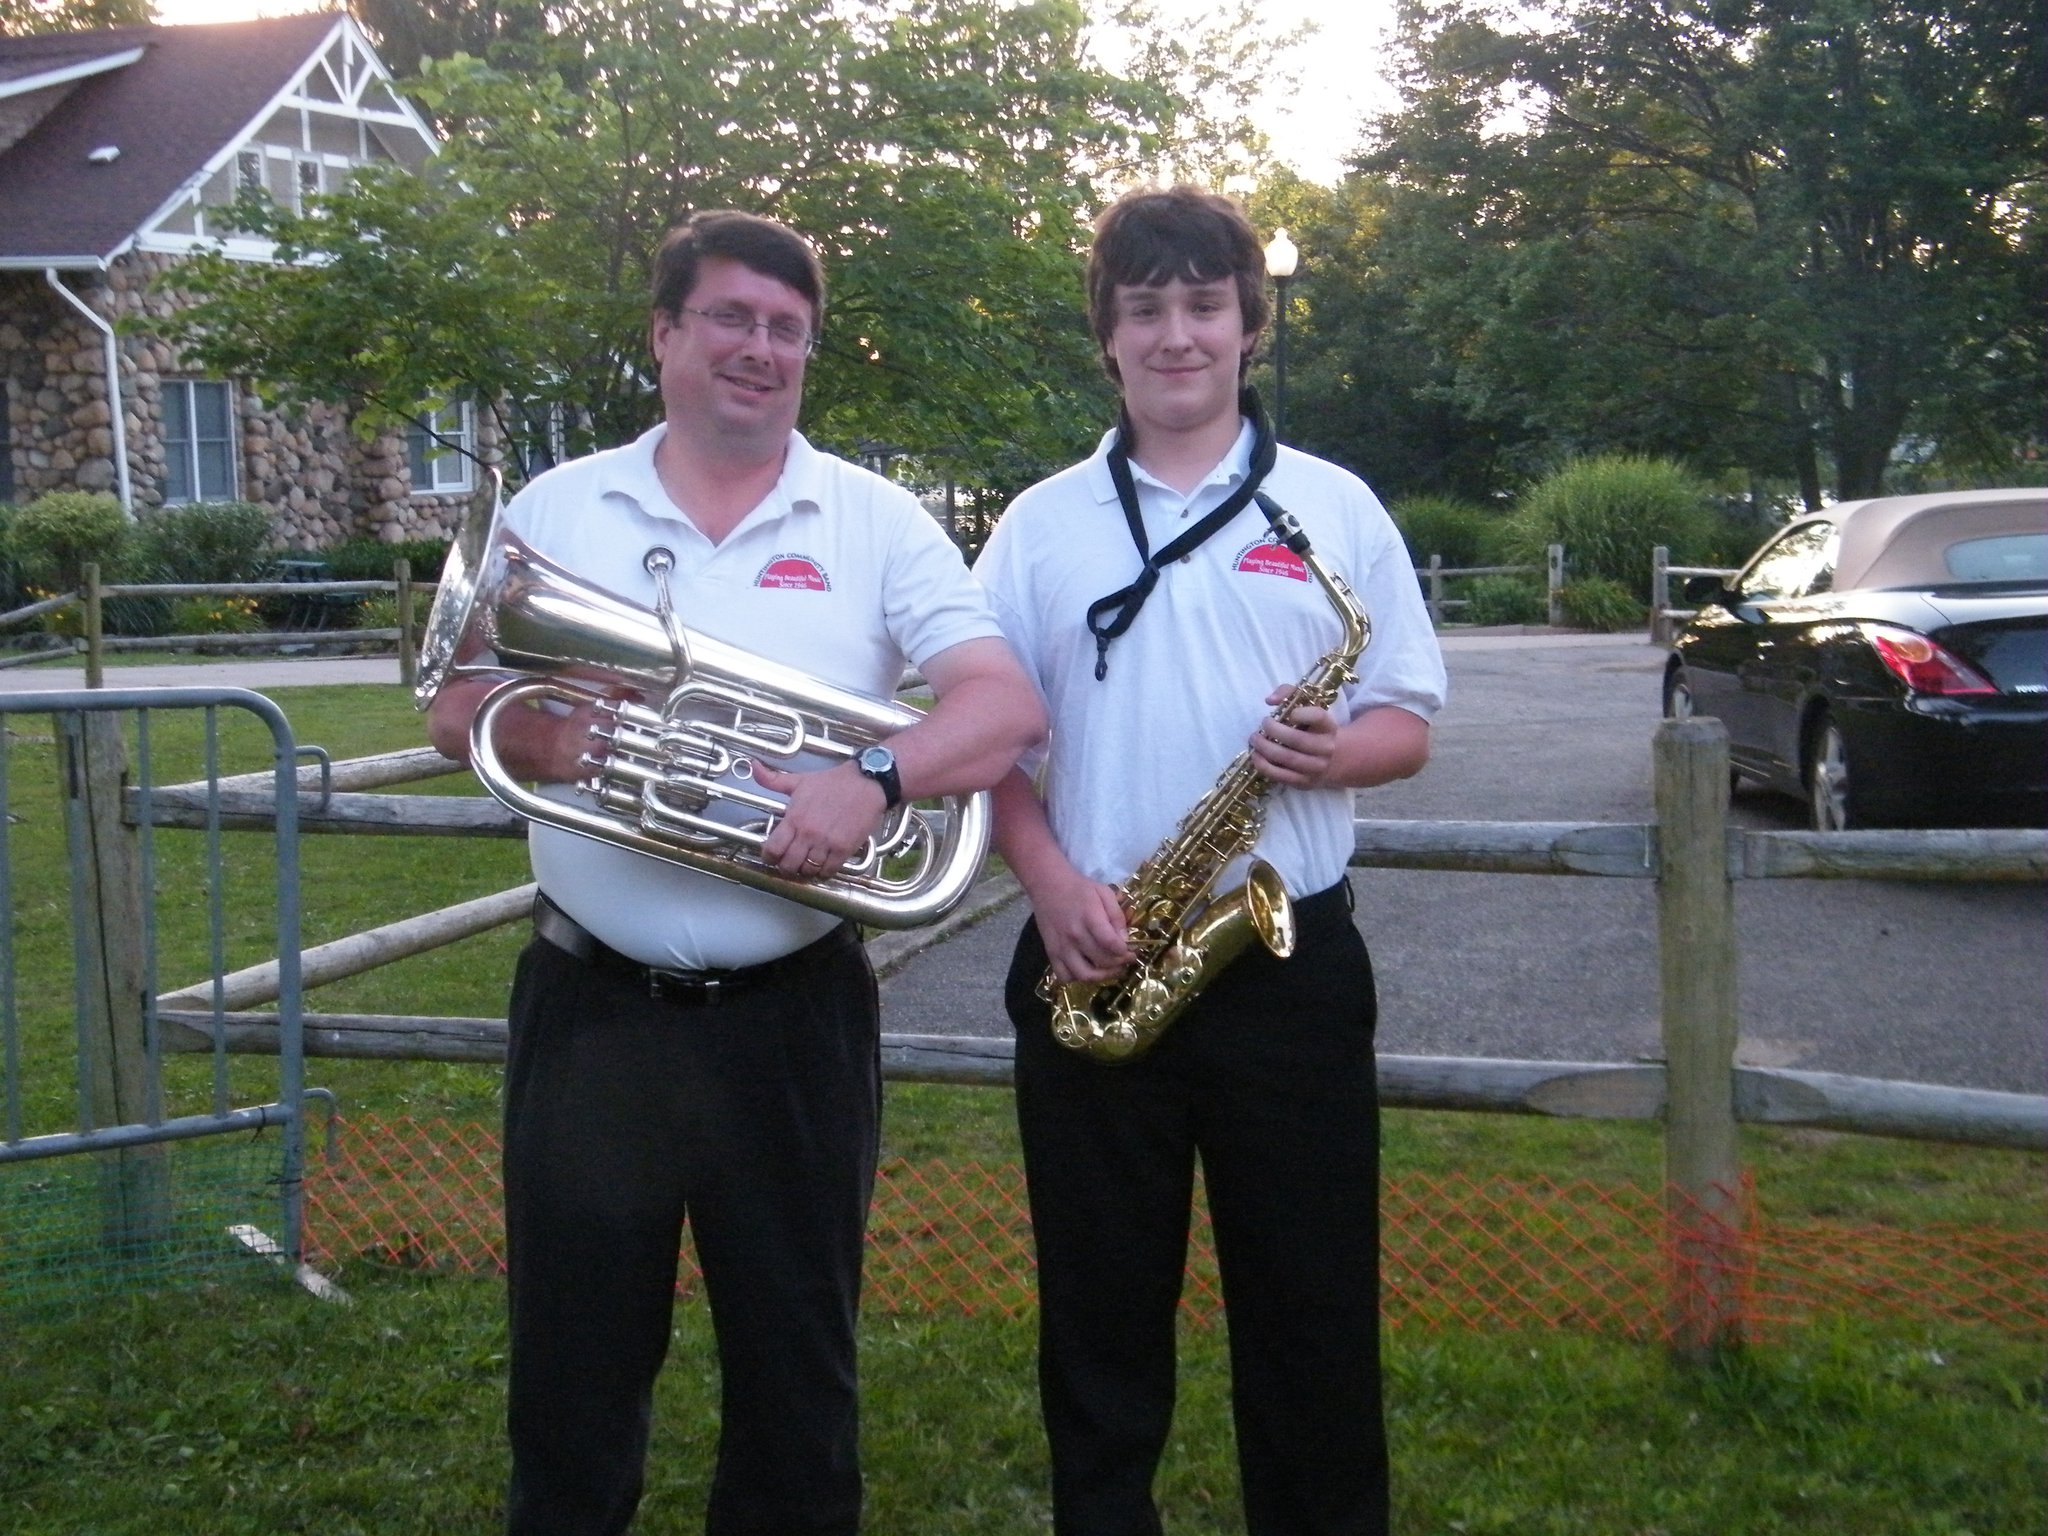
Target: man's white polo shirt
column 837, row 572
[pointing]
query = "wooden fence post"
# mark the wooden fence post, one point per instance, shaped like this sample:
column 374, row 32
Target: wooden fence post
column 93, row 676
column 1696, row 965
column 1553, row 579
column 1436, row 591
column 1660, row 591
column 408, row 658
column 113, row 985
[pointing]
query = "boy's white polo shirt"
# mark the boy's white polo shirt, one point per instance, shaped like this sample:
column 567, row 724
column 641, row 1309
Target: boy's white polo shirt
column 837, row 572
column 1130, row 754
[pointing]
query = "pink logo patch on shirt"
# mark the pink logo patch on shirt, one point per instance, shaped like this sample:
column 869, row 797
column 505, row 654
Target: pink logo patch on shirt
column 1265, row 558
column 794, row 573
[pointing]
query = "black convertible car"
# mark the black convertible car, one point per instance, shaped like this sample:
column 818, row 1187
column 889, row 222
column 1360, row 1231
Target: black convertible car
column 1885, row 660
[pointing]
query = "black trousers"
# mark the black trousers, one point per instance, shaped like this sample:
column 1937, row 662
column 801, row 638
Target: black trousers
column 757, row 1119
column 1269, row 1079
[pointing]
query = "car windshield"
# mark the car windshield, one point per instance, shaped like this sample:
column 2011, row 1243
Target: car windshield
column 2005, row 557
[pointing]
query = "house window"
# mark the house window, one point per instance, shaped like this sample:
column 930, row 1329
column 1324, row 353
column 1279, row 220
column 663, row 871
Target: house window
column 199, row 448
column 311, row 182
column 249, row 170
column 441, row 460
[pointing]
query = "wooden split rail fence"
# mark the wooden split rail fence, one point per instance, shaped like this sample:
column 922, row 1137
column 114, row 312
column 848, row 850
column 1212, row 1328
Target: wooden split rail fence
column 1691, row 852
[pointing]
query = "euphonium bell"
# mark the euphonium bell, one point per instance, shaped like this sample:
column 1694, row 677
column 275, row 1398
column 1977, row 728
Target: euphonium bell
column 683, row 718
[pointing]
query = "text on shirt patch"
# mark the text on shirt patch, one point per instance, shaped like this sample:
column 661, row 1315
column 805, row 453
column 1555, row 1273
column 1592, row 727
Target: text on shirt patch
column 794, row 573
column 1263, row 557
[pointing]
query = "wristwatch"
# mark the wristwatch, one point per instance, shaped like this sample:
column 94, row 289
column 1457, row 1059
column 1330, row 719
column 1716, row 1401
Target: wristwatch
column 879, row 763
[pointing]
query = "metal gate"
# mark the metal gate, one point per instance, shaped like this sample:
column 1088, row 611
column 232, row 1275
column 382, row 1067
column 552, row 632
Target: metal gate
column 110, row 1164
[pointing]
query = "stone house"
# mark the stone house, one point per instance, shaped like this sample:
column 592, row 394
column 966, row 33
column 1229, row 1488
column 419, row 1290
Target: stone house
column 118, row 148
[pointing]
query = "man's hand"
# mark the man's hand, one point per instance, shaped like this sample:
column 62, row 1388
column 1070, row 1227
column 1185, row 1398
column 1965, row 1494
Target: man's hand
column 533, row 744
column 832, row 812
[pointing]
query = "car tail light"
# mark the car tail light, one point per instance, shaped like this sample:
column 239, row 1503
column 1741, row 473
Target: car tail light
column 1924, row 666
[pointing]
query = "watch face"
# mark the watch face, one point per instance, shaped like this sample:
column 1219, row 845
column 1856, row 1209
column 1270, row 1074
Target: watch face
column 877, row 760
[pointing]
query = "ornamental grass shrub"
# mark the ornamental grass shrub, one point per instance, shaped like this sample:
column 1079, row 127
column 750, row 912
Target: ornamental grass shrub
column 1598, row 602
column 1609, row 512
column 1505, row 600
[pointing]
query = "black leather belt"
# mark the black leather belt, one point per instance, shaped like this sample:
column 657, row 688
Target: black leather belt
column 689, row 989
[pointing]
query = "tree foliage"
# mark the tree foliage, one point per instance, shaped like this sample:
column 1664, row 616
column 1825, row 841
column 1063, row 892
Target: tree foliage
column 943, row 154
column 28, row 18
column 1779, row 235
column 1370, row 386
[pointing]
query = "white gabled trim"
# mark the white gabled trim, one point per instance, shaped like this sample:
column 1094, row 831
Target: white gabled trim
column 59, row 263
column 358, row 49
column 69, row 72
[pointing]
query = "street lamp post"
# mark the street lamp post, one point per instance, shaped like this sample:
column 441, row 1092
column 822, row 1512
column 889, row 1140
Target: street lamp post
column 1281, row 259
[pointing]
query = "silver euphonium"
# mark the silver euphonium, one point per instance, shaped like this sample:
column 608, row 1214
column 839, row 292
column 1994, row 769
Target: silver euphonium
column 695, row 715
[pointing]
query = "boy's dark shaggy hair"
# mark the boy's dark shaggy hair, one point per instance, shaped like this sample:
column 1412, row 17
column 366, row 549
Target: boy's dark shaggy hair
column 1151, row 235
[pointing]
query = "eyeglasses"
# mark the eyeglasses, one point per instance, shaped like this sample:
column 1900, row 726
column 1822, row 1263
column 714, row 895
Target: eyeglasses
column 788, row 336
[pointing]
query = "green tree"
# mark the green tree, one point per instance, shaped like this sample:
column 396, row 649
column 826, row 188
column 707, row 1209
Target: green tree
column 1368, row 385
column 1780, row 235
column 943, row 153
column 27, row 18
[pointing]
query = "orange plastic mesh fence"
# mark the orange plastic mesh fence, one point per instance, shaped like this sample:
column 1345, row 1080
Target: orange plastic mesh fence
column 1457, row 1252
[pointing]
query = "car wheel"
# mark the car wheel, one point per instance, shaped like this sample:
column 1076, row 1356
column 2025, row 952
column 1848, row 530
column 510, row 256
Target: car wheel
column 1678, row 700
column 1679, row 704
column 1827, row 777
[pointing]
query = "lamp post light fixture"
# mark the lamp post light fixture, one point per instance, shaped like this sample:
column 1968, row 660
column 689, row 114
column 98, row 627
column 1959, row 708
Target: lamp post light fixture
column 1281, row 260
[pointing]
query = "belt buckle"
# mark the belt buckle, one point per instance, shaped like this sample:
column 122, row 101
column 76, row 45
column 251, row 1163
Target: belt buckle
column 682, row 988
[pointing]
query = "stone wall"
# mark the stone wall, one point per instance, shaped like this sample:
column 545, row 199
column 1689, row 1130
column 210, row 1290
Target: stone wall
column 320, row 481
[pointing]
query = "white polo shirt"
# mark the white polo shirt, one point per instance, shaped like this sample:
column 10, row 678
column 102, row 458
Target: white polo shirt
column 837, row 572
column 1187, row 683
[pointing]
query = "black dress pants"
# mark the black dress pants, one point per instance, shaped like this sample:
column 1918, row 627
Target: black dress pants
column 1268, row 1078
column 757, row 1120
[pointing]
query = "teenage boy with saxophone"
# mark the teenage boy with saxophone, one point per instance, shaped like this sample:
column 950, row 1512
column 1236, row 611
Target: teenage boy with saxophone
column 1268, row 1075
column 683, row 1046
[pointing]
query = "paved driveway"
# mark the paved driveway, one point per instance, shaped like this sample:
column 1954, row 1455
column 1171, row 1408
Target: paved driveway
column 1934, row 983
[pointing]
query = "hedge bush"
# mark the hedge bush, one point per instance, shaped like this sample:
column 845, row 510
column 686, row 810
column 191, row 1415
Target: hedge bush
column 207, row 541
column 372, row 559
column 1610, row 512
column 57, row 535
column 1463, row 533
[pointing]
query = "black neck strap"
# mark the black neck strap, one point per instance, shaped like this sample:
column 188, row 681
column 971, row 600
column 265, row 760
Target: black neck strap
column 1109, row 617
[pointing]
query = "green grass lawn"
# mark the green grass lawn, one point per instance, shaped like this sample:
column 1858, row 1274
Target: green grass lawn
column 241, row 1404
column 247, row 1406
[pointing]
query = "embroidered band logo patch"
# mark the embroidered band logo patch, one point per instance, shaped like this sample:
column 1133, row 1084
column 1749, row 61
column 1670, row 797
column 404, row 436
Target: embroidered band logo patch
column 794, row 573
column 1263, row 557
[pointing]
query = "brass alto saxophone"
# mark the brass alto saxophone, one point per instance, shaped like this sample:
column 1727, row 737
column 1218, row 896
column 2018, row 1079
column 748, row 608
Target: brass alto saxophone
column 1183, row 939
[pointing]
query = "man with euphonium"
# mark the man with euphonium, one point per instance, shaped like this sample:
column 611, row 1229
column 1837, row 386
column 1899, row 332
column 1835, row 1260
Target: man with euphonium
column 1155, row 685
column 681, row 1045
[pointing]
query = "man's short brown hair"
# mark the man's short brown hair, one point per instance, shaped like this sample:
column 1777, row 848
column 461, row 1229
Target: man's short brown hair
column 1151, row 235
column 758, row 244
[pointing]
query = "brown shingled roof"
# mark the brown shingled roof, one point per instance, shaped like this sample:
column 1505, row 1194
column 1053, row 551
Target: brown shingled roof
column 193, row 90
